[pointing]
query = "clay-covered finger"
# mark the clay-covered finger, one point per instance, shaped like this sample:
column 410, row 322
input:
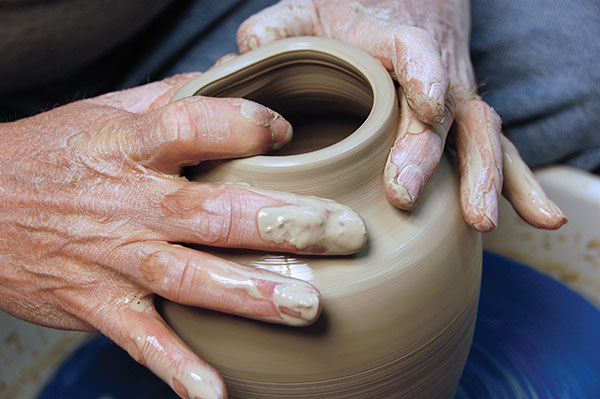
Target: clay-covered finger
column 195, row 129
column 524, row 192
column 133, row 323
column 478, row 129
column 415, row 155
column 194, row 278
column 288, row 18
column 226, row 215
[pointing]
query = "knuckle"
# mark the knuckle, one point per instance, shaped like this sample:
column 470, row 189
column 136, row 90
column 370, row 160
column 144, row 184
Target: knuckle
column 175, row 124
column 217, row 227
column 154, row 266
column 171, row 275
column 181, row 282
column 210, row 210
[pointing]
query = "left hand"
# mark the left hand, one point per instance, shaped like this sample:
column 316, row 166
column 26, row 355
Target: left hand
column 424, row 44
column 92, row 206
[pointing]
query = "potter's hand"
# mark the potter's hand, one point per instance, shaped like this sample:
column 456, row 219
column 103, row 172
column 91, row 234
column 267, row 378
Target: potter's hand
column 91, row 200
column 425, row 46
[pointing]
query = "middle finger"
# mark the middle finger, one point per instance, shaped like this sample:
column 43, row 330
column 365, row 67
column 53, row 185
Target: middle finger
column 226, row 215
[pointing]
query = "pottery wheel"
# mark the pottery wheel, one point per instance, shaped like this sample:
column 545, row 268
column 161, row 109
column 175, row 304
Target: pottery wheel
column 534, row 338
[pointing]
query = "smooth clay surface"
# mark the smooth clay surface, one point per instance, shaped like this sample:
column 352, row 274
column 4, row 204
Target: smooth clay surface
column 398, row 317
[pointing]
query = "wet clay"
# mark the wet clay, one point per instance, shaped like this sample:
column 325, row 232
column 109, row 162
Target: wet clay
column 313, row 225
column 296, row 302
column 336, row 229
column 398, row 317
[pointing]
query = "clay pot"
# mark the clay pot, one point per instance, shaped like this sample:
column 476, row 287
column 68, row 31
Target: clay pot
column 398, row 317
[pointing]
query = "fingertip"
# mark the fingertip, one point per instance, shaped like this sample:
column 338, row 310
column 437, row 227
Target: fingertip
column 299, row 303
column 346, row 232
column 559, row 219
column 199, row 381
column 261, row 116
column 554, row 223
column 560, row 223
column 412, row 160
column 281, row 132
column 149, row 340
column 484, row 223
column 403, row 187
column 481, row 211
column 525, row 194
column 428, row 105
column 550, row 217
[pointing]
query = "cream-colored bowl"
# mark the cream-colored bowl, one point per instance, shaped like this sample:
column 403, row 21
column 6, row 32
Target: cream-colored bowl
column 398, row 317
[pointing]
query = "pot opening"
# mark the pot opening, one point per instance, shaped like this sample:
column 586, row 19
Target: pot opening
column 325, row 99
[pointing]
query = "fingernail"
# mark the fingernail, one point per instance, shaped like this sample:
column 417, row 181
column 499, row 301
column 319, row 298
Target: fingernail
column 297, row 302
column 281, row 132
column 411, row 180
column 200, row 383
column 430, row 107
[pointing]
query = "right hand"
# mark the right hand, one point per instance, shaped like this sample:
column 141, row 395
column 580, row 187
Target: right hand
column 424, row 44
column 91, row 202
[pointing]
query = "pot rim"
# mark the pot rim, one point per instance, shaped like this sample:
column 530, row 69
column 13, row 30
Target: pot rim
column 381, row 115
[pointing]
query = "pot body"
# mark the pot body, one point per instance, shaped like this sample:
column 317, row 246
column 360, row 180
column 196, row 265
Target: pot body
column 398, row 317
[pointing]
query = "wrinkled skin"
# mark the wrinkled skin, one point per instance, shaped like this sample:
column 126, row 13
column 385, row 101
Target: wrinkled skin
column 424, row 44
column 91, row 200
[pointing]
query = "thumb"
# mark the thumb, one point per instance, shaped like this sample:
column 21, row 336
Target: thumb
column 284, row 19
